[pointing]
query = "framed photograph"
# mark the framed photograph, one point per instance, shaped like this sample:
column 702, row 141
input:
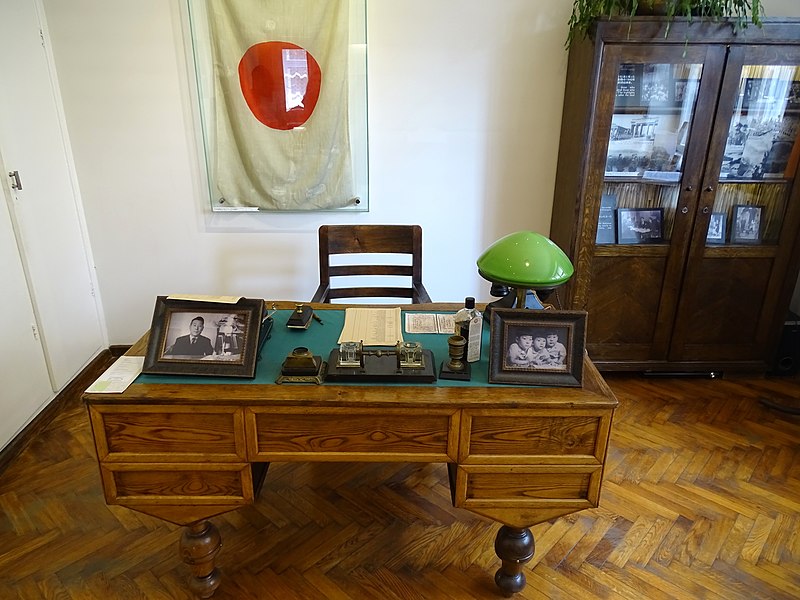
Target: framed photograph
column 189, row 337
column 537, row 347
column 716, row 229
column 640, row 225
column 746, row 224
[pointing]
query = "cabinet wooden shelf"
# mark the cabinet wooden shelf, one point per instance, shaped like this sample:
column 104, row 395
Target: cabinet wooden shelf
column 701, row 128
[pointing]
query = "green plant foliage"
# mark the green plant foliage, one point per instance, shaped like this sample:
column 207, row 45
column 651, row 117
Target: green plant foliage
column 740, row 12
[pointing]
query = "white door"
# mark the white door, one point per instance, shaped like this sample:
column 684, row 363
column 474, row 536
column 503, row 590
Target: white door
column 23, row 371
column 46, row 209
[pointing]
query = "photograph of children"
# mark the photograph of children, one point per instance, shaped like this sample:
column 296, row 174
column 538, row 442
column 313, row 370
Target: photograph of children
column 536, row 348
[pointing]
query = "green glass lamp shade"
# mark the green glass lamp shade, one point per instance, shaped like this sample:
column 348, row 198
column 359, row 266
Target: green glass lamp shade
column 525, row 260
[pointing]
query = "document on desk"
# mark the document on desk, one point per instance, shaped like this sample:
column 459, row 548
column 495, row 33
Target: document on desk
column 372, row 326
column 118, row 376
column 430, row 323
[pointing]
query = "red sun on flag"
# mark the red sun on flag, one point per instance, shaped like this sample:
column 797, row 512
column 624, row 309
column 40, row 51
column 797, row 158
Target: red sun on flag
column 280, row 82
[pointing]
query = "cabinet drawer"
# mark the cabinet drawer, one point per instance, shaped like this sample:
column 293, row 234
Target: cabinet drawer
column 176, row 483
column 154, row 434
column 352, row 434
column 558, row 436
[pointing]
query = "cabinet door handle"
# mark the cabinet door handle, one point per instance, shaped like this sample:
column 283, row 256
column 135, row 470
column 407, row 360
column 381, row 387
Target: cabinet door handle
column 705, row 210
column 708, row 189
column 685, row 210
column 689, row 188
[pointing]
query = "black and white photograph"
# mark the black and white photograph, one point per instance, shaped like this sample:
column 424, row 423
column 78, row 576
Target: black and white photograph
column 680, row 90
column 640, row 225
column 759, row 148
column 645, row 143
column 793, row 99
column 536, row 347
column 746, row 224
column 657, row 83
column 204, row 338
column 716, row 229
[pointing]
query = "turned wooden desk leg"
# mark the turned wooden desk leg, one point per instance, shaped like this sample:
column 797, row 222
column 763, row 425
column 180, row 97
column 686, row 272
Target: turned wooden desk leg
column 514, row 546
column 199, row 546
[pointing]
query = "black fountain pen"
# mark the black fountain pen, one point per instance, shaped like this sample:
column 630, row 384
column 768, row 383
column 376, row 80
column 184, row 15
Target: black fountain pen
column 317, row 319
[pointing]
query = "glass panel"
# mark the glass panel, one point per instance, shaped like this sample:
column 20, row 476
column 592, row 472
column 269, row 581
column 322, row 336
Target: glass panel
column 761, row 156
column 282, row 104
column 653, row 111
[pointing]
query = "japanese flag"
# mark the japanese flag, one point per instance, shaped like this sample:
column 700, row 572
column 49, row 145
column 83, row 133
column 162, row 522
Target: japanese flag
column 279, row 130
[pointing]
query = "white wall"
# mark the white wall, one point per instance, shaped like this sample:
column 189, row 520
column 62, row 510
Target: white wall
column 464, row 115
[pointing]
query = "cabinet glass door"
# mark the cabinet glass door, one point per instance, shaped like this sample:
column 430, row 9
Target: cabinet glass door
column 652, row 117
column 760, row 157
column 748, row 214
column 650, row 144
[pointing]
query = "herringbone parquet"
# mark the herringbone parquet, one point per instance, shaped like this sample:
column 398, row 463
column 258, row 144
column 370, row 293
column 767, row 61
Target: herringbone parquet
column 701, row 500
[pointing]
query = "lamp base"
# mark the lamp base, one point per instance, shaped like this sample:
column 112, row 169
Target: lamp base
column 517, row 298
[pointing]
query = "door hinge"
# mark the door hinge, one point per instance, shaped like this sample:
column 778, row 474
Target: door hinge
column 35, row 331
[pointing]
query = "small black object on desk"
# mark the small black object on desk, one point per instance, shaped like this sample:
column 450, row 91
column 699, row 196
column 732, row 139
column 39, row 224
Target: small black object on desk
column 301, row 317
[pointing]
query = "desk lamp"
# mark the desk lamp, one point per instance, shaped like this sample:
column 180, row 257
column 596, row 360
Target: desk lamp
column 524, row 261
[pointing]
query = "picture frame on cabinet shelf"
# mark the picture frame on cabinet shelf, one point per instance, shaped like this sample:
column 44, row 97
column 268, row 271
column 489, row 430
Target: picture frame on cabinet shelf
column 535, row 347
column 716, row 228
column 197, row 337
column 640, row 225
column 606, row 233
column 746, row 224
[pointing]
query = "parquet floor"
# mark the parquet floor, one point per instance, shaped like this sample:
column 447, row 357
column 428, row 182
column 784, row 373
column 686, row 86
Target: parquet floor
column 701, row 500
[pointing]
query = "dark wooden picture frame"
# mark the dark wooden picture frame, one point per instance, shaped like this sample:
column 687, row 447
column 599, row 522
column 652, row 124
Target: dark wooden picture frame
column 227, row 338
column 640, row 225
column 746, row 224
column 557, row 361
column 716, row 228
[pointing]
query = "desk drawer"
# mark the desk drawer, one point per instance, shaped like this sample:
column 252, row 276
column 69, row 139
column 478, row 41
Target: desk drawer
column 167, row 434
column 526, row 495
column 557, row 436
column 336, row 434
column 175, row 483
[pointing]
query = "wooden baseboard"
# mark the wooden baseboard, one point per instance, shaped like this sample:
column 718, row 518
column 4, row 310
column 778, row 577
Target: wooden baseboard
column 118, row 350
column 72, row 390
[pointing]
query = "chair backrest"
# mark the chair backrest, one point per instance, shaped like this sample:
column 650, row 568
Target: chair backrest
column 366, row 240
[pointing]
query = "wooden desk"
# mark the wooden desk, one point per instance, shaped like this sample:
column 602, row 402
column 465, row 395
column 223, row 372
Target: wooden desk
column 186, row 452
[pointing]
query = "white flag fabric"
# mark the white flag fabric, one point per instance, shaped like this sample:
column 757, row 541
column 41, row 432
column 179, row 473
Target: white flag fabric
column 280, row 127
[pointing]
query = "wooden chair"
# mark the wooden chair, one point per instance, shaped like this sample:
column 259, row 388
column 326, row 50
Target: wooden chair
column 367, row 240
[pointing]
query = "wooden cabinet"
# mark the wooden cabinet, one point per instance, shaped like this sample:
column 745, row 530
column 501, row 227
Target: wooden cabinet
column 676, row 194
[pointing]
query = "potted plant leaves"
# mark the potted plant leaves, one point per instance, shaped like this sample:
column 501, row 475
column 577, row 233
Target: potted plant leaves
column 586, row 12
